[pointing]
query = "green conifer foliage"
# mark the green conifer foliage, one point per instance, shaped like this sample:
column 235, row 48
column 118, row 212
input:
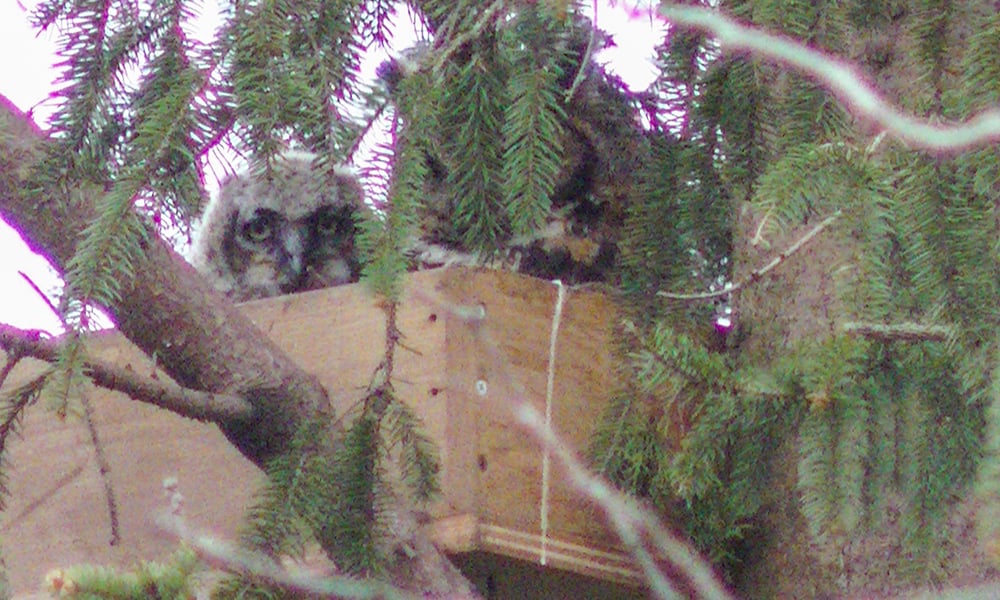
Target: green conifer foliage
column 886, row 428
column 835, row 407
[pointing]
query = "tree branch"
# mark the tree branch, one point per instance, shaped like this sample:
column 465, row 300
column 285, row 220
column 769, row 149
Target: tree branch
column 221, row 555
column 841, row 79
column 201, row 406
column 167, row 309
column 259, row 396
column 901, row 332
column 759, row 273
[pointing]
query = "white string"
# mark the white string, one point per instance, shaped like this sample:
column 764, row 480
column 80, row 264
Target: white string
column 549, row 386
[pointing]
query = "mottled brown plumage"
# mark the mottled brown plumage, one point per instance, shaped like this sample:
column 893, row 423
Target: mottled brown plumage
column 289, row 230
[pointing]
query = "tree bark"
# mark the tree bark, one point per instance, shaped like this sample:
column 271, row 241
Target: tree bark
column 197, row 336
column 167, row 309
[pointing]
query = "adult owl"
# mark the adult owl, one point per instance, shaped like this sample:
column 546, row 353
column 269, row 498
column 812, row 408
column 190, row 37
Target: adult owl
column 289, row 229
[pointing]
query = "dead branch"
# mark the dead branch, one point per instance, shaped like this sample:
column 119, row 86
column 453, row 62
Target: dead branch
column 201, row 406
column 759, row 273
column 167, row 309
column 899, row 332
column 104, row 470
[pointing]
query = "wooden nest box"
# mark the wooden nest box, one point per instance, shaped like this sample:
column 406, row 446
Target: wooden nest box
column 461, row 376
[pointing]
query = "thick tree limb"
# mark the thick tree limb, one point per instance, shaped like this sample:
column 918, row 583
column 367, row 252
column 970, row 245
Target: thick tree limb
column 201, row 340
column 194, row 404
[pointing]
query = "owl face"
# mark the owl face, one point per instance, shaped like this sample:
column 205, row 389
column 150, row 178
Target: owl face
column 274, row 254
column 290, row 233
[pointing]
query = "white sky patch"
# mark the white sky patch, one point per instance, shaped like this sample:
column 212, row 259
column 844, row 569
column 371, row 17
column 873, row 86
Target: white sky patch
column 633, row 57
column 20, row 304
column 27, row 78
column 26, row 73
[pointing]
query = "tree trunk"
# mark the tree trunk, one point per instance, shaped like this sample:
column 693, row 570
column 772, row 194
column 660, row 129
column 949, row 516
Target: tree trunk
column 809, row 297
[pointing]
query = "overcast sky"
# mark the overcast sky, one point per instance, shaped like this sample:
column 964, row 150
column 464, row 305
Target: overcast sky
column 26, row 77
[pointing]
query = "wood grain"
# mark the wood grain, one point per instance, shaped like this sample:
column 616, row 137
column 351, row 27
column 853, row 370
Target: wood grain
column 491, row 469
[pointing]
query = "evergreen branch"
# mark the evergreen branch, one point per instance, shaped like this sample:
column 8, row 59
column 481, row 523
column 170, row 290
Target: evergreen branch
column 383, row 241
column 608, row 440
column 922, row 514
column 532, row 159
column 222, row 555
column 418, row 462
column 842, row 79
column 476, row 111
column 904, row 332
column 639, row 529
column 759, row 273
column 465, row 37
column 278, row 519
column 830, row 471
column 348, row 532
column 815, row 481
column 170, row 580
column 377, row 23
column 11, row 414
column 187, row 402
column 324, row 41
column 67, row 371
column 987, row 486
column 107, row 252
column 633, row 523
column 676, row 355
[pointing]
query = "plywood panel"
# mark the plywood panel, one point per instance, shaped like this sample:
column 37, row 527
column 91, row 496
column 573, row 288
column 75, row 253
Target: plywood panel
column 491, row 469
column 57, row 513
column 507, row 355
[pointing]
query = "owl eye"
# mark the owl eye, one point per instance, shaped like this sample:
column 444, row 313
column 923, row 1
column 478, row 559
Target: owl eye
column 329, row 223
column 258, row 229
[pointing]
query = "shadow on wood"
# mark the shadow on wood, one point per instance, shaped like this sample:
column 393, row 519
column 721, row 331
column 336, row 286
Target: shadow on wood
column 458, row 375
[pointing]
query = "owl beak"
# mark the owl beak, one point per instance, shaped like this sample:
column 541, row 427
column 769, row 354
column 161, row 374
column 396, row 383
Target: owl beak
column 291, row 266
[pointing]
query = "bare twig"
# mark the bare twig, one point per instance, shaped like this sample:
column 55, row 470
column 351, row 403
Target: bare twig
column 841, row 79
column 902, row 332
column 190, row 403
column 44, row 298
column 104, row 469
column 581, row 72
column 757, row 274
column 43, row 497
column 639, row 529
column 636, row 525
